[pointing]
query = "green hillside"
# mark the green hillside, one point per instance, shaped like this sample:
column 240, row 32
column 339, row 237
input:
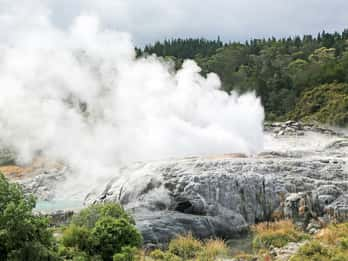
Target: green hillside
column 299, row 77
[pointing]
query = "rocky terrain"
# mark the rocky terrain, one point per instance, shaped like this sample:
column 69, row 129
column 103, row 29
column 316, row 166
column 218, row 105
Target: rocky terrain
column 303, row 175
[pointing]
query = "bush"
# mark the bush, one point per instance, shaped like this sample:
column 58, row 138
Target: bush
column 23, row 236
column 164, row 256
column 103, row 230
column 77, row 237
column 276, row 234
column 312, row 251
column 333, row 233
column 157, row 254
column 185, row 246
column 110, row 235
column 127, row 254
column 90, row 215
column 331, row 244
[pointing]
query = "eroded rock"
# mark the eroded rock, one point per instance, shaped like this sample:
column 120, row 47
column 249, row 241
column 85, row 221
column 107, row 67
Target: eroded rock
column 222, row 196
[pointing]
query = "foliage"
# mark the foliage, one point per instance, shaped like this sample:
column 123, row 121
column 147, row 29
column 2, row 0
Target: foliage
column 334, row 233
column 77, row 237
column 164, row 256
column 101, row 232
column 327, row 103
column 185, row 246
column 127, row 254
column 276, row 234
column 89, row 216
column 184, row 48
column 23, row 235
column 69, row 253
column 112, row 234
column 330, row 243
column 280, row 71
column 212, row 249
column 314, row 250
column 244, row 257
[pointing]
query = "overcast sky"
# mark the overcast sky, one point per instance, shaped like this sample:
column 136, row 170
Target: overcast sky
column 232, row 20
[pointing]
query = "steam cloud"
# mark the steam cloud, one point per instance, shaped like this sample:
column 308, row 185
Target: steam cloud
column 81, row 96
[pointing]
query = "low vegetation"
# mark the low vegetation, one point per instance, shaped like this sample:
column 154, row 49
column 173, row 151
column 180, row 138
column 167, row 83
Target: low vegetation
column 99, row 232
column 186, row 247
column 106, row 232
column 276, row 234
column 330, row 243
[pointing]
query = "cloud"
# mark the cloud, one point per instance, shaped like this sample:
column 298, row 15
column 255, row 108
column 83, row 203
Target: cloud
column 154, row 20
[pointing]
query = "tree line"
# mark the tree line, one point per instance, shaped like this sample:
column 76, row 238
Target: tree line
column 302, row 78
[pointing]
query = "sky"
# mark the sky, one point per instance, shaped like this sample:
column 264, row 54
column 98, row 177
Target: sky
column 232, row 20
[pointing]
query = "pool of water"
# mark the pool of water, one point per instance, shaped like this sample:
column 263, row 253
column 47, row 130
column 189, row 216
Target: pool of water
column 58, row 205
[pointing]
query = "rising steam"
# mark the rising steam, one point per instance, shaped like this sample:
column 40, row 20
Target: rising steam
column 80, row 96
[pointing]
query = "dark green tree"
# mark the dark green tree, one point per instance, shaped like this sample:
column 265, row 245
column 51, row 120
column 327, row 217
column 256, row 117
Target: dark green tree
column 23, row 235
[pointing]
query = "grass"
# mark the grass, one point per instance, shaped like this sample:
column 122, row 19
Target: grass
column 276, row 234
column 212, row 249
column 186, row 247
column 333, row 233
column 330, row 244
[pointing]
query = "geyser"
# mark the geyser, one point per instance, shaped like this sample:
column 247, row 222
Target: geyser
column 80, row 96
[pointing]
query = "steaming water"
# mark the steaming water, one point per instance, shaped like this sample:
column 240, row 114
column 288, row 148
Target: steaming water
column 70, row 196
column 311, row 141
column 81, row 97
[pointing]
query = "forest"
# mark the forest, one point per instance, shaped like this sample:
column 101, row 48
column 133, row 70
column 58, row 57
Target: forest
column 301, row 78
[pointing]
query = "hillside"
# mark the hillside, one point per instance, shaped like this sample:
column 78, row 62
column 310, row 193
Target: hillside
column 283, row 72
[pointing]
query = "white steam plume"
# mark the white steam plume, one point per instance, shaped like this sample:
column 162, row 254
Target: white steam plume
column 81, row 96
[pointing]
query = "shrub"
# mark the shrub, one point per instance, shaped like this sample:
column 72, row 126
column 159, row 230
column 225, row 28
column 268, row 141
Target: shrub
column 276, row 234
column 103, row 230
column 333, row 233
column 157, row 254
column 77, row 237
column 110, row 235
column 185, row 246
column 127, row 254
column 312, row 251
column 343, row 243
column 331, row 244
column 23, row 236
column 90, row 215
column 164, row 256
